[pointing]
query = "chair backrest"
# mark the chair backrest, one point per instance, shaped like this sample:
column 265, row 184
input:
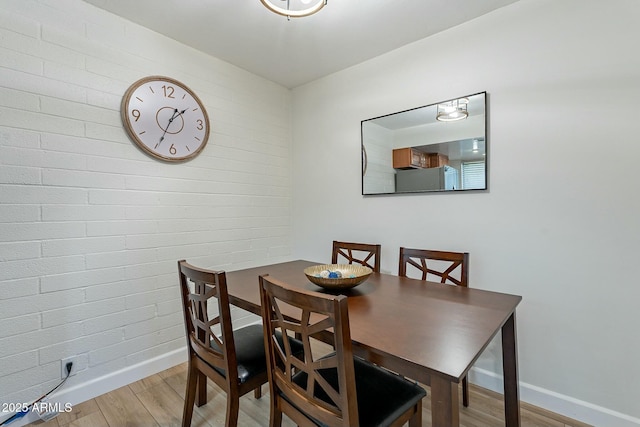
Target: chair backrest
column 446, row 267
column 361, row 253
column 209, row 335
column 301, row 390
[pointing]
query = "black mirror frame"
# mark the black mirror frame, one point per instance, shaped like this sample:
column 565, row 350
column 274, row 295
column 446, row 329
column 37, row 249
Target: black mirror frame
column 365, row 160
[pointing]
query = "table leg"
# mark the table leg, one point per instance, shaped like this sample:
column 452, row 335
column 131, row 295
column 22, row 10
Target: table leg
column 444, row 402
column 510, row 370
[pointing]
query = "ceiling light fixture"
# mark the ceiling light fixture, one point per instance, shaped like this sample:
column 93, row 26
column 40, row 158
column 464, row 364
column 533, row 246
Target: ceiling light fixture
column 453, row 110
column 294, row 8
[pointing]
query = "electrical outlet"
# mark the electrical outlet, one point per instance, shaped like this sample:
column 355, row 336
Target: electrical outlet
column 63, row 366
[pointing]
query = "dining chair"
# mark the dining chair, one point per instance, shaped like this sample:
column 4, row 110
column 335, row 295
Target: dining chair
column 234, row 360
column 328, row 386
column 446, row 267
column 361, row 253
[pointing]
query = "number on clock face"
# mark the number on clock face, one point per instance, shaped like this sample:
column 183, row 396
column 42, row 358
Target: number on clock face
column 165, row 118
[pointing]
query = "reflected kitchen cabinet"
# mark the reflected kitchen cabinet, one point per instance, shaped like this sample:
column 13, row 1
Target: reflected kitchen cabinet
column 437, row 160
column 408, row 158
column 412, row 158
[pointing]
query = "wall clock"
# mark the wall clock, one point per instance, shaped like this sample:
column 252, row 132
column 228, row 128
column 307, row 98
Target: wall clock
column 165, row 118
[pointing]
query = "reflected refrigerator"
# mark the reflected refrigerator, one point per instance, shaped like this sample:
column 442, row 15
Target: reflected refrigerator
column 427, row 179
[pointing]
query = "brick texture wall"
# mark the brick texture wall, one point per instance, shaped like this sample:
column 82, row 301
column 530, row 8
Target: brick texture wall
column 91, row 227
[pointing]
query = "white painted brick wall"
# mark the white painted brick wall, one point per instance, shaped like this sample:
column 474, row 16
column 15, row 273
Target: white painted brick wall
column 91, row 227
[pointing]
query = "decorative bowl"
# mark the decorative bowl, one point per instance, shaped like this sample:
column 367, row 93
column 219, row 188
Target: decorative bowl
column 350, row 275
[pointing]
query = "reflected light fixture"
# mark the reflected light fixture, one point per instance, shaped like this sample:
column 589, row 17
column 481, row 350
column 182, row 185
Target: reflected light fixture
column 453, row 110
column 294, row 8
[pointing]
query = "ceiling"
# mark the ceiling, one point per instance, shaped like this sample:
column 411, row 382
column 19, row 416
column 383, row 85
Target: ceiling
column 296, row 51
column 476, row 105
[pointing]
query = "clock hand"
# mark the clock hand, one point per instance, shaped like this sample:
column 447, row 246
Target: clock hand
column 178, row 115
column 173, row 116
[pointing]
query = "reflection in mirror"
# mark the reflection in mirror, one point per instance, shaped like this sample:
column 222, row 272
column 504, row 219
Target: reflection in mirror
column 439, row 147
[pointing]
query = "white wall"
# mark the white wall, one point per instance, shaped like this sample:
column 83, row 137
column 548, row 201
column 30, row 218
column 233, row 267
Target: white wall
column 559, row 223
column 91, row 227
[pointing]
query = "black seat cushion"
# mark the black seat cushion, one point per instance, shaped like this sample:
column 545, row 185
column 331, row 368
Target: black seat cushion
column 250, row 353
column 382, row 395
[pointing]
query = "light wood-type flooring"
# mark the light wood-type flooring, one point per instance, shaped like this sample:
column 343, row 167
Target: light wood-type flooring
column 157, row 401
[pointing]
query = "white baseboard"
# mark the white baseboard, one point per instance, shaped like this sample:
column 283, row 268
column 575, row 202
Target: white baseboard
column 556, row 402
column 88, row 390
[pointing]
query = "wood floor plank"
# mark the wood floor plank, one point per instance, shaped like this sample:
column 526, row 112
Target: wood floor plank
column 255, row 412
column 178, row 382
column 543, row 413
column 51, row 423
column 122, row 407
column 178, row 369
column 94, row 419
column 78, row 411
column 475, row 417
column 145, row 383
column 484, row 410
column 165, row 406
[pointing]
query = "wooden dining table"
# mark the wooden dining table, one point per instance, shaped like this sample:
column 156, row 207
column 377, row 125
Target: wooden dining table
column 429, row 332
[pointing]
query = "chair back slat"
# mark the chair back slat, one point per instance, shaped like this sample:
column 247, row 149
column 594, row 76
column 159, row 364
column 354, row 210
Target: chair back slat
column 445, row 267
column 301, row 380
column 211, row 344
column 205, row 324
column 360, row 253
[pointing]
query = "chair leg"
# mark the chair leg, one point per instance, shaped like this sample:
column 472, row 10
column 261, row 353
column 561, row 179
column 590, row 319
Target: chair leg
column 465, row 392
column 416, row 419
column 233, row 407
column 275, row 414
column 201, row 396
column 190, row 396
column 257, row 393
column 275, row 419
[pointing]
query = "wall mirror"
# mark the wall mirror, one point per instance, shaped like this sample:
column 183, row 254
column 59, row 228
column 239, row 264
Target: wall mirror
column 438, row 147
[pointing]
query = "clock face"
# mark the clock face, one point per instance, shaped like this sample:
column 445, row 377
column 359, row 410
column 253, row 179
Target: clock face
column 165, row 118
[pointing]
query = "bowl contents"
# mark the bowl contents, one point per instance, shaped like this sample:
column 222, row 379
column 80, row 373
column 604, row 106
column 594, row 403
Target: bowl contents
column 327, row 274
